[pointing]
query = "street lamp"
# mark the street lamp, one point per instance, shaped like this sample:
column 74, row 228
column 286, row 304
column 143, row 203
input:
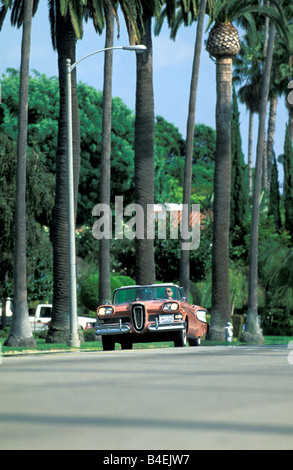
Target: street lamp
column 73, row 334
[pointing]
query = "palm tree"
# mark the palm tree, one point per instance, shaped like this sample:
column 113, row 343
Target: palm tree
column 144, row 138
column 106, row 14
column 247, row 69
column 223, row 43
column 144, row 150
column 20, row 332
column 185, row 258
column 105, row 173
column 253, row 332
column 66, row 26
column 196, row 12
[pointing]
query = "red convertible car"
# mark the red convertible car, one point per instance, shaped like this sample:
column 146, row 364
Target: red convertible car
column 152, row 313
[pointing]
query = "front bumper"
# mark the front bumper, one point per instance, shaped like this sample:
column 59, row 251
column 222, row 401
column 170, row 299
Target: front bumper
column 156, row 327
column 115, row 329
column 165, row 327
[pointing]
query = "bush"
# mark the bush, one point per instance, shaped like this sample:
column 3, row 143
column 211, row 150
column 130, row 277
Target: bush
column 5, row 332
column 195, row 294
column 276, row 321
column 89, row 335
column 89, row 291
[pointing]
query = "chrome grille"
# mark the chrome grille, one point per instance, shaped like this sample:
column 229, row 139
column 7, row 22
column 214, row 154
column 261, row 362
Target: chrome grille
column 138, row 317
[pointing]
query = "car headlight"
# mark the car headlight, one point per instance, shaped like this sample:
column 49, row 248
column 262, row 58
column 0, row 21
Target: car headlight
column 201, row 315
column 105, row 310
column 171, row 307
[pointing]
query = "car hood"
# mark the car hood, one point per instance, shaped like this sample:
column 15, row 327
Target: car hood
column 149, row 304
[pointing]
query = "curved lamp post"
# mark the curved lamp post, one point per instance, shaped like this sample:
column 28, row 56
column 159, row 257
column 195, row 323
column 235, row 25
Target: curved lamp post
column 73, row 334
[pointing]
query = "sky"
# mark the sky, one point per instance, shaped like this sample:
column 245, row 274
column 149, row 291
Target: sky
column 172, row 65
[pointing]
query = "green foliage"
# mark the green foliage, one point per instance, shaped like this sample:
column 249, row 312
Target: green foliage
column 40, row 190
column 276, row 260
column 276, row 321
column 169, row 162
column 42, row 114
column 274, row 202
column 228, row 11
column 204, row 147
column 239, row 183
column 89, row 295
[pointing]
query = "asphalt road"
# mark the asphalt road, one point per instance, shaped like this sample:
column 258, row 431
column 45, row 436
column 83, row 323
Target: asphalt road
column 187, row 399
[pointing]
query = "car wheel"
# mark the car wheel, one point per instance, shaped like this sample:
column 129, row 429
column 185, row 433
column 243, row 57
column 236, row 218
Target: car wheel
column 194, row 341
column 181, row 339
column 108, row 343
column 126, row 344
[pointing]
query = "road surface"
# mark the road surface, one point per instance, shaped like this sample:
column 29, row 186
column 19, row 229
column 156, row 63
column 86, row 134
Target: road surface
column 162, row 399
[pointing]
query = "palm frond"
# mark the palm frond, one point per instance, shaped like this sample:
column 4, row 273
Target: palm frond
column 132, row 12
column 3, row 11
column 76, row 15
column 52, row 20
column 95, row 11
column 160, row 21
column 186, row 12
column 64, row 7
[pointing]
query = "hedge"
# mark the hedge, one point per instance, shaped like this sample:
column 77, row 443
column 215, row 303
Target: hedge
column 89, row 291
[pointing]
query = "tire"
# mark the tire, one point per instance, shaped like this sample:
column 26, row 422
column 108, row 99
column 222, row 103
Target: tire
column 181, row 339
column 126, row 344
column 194, row 342
column 108, row 343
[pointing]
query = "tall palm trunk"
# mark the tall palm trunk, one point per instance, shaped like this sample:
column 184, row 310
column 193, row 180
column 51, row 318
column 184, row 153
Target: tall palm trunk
column 250, row 142
column 185, row 258
column 271, row 134
column 220, row 312
column 253, row 332
column 105, row 174
column 223, row 43
column 290, row 120
column 21, row 333
column 144, row 152
column 66, row 45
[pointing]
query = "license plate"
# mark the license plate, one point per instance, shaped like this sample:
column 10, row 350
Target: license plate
column 166, row 318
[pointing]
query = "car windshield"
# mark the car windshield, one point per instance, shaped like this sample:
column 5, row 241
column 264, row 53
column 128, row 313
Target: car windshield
column 131, row 294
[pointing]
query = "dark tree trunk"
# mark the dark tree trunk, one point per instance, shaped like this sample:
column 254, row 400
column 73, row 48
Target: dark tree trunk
column 252, row 330
column 185, row 256
column 105, row 174
column 220, row 312
column 144, row 153
column 66, row 46
column 20, row 332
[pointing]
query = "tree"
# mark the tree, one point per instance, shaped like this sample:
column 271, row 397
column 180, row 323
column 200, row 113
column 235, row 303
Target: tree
column 144, row 150
column 66, row 27
column 20, row 332
column 110, row 11
column 223, row 43
column 239, row 193
column 252, row 331
column 105, row 173
column 247, row 69
column 288, row 186
column 185, row 260
column 169, row 162
column 274, row 201
column 184, row 15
